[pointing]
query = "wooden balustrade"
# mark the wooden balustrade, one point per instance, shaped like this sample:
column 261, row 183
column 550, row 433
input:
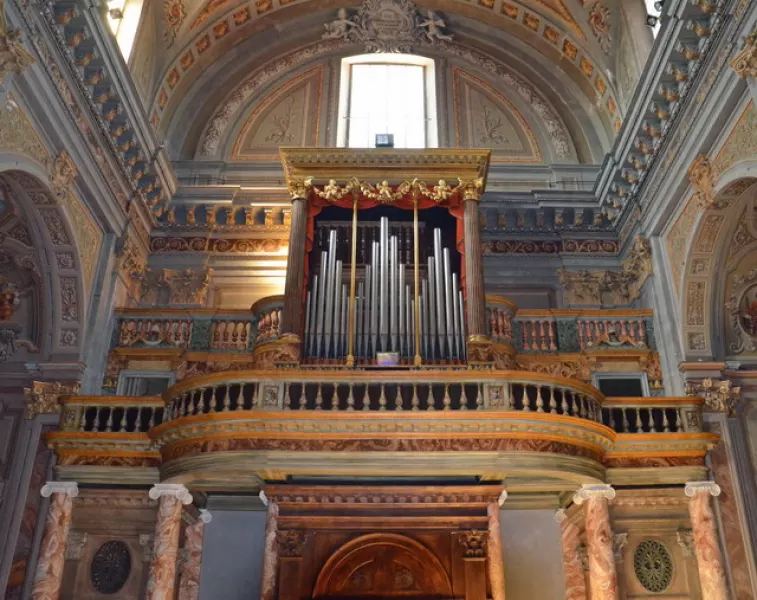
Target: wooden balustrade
column 112, row 414
column 154, row 331
column 652, row 415
column 230, row 334
column 267, row 312
column 499, row 317
column 539, row 334
column 594, row 332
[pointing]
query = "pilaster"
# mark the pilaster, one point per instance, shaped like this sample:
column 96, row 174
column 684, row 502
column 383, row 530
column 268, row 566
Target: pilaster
column 712, row 578
column 603, row 579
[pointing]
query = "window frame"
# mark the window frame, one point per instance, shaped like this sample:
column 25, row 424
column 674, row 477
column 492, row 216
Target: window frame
column 619, row 375
column 431, row 133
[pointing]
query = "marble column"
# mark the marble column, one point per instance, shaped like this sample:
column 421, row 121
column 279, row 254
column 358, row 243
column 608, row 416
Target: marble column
column 573, row 571
column 292, row 315
column 191, row 560
column 494, row 550
column 603, row 579
column 709, row 558
column 162, row 578
column 52, row 552
column 475, row 300
column 270, row 551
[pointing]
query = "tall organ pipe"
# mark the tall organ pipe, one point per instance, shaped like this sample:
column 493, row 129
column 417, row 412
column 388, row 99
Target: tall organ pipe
column 439, row 285
column 393, row 293
column 321, row 303
column 384, row 312
column 311, row 328
column 456, row 311
column 402, row 310
column 432, row 328
column 449, row 306
column 374, row 300
column 328, row 324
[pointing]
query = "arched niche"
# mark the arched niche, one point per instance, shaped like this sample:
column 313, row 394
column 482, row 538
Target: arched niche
column 383, row 565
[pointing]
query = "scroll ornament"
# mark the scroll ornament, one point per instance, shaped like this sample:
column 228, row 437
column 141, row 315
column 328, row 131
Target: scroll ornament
column 745, row 62
column 719, row 396
column 13, row 57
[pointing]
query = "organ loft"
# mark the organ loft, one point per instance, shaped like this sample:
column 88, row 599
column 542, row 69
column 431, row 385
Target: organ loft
column 304, row 299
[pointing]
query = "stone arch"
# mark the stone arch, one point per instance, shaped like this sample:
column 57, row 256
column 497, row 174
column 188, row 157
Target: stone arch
column 38, row 247
column 703, row 296
column 363, row 566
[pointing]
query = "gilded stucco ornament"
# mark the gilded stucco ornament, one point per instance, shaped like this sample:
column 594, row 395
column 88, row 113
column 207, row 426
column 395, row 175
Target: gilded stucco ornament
column 63, row 172
column 13, row 57
column 387, row 26
column 719, row 396
column 299, row 187
column 42, row 397
column 703, row 177
column 745, row 62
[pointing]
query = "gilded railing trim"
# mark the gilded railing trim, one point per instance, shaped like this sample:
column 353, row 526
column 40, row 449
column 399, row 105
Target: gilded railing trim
column 117, row 401
column 265, row 301
column 682, row 436
column 585, row 312
column 501, row 300
column 374, row 377
column 110, row 436
column 651, row 402
column 153, row 311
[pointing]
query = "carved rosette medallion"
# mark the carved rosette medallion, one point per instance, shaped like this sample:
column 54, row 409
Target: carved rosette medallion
column 291, row 542
column 474, row 544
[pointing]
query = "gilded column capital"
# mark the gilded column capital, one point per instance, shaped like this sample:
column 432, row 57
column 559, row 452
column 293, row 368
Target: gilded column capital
column 693, row 488
column 171, row 490
column 13, row 57
column 745, row 61
column 70, row 488
column 299, row 187
column 42, row 397
column 470, row 189
column 594, row 490
column 719, row 396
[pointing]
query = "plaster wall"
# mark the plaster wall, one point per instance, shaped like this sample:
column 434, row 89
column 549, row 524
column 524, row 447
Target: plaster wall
column 532, row 552
column 232, row 555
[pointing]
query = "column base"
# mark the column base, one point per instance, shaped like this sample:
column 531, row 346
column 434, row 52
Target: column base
column 283, row 352
column 480, row 351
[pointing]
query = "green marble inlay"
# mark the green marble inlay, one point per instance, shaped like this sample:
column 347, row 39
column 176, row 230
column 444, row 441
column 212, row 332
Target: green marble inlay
column 200, row 339
column 567, row 335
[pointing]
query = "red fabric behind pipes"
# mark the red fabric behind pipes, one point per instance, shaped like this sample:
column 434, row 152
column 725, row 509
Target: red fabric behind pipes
column 316, row 205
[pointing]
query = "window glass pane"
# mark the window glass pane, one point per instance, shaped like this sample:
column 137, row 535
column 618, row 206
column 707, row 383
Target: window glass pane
column 387, row 98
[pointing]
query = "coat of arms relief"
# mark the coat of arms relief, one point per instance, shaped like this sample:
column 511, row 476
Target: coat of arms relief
column 387, row 26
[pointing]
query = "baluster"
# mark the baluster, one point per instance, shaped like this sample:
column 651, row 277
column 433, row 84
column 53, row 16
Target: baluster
column 525, row 401
column 430, row 400
column 109, row 422
column 200, row 407
column 639, row 426
column 366, row 399
column 213, row 404
column 526, row 344
column 447, row 401
column 463, row 398
column 552, row 336
column 187, row 401
column 508, row 396
column 626, row 424
column 227, row 398
column 335, row 397
column 539, row 342
column 351, row 397
column 611, row 418
column 493, row 322
column 652, row 424
column 240, row 397
column 319, row 397
column 244, row 342
column 122, row 420
column 398, row 398
column 582, row 405
column 581, row 334
column 83, row 423
column 151, row 421
column 287, row 398
column 564, row 404
column 552, row 400
column 539, row 400
column 96, row 422
column 303, row 399
column 624, row 328
column 415, row 402
column 382, row 396
column 501, row 325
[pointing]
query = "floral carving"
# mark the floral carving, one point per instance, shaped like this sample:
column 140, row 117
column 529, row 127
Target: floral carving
column 474, row 544
column 173, row 17
column 291, row 542
column 69, row 305
column 745, row 62
column 42, row 397
column 601, row 23
column 62, row 174
column 719, row 396
column 166, row 286
column 703, row 178
column 13, row 57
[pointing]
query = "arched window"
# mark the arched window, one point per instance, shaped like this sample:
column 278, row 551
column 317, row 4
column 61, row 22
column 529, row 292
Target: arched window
column 387, row 94
column 123, row 19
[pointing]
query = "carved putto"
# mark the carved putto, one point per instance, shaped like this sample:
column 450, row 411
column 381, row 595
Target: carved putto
column 387, row 26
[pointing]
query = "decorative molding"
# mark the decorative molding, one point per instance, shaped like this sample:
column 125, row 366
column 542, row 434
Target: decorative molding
column 63, row 172
column 167, row 245
column 173, row 17
column 13, row 57
column 171, row 287
column 367, row 496
column 171, row 490
column 70, row 488
column 205, row 516
column 745, row 61
column 42, row 397
column 474, row 543
column 291, row 542
column 75, row 545
column 703, row 178
column 593, row 490
column 600, row 21
column 147, row 542
column 693, row 488
column 719, row 395
column 567, row 246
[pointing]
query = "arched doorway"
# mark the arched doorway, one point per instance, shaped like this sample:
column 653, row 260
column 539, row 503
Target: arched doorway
column 383, row 565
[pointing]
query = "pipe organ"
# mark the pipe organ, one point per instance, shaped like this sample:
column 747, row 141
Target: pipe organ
column 390, row 314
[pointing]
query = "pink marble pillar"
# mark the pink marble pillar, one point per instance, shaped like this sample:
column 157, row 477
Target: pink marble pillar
column 494, row 551
column 603, row 580
column 573, row 571
column 709, row 559
column 191, row 560
column 162, row 578
column 270, row 551
column 52, row 552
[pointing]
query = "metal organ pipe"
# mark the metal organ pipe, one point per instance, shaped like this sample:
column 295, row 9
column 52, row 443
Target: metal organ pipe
column 386, row 303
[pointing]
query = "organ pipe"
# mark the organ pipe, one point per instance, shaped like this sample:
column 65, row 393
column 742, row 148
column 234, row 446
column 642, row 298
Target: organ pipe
column 383, row 311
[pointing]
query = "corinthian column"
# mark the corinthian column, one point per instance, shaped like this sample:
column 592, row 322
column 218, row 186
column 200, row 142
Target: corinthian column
column 162, row 578
column 191, row 560
column 709, row 559
column 270, row 551
column 292, row 318
column 52, row 551
column 573, row 571
column 494, row 550
column 603, row 580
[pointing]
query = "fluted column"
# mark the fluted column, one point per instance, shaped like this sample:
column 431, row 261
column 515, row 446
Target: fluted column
column 292, row 317
column 475, row 302
column 603, row 579
column 52, row 551
column 162, row 578
column 191, row 560
column 709, row 558
column 270, row 551
column 494, row 550
column 573, row 571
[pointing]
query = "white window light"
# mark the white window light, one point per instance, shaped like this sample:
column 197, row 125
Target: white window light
column 387, row 93
column 653, row 10
column 123, row 19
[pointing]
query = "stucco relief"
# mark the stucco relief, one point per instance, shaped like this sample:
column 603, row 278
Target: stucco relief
column 741, row 142
column 16, row 133
column 485, row 118
column 288, row 116
column 677, row 239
